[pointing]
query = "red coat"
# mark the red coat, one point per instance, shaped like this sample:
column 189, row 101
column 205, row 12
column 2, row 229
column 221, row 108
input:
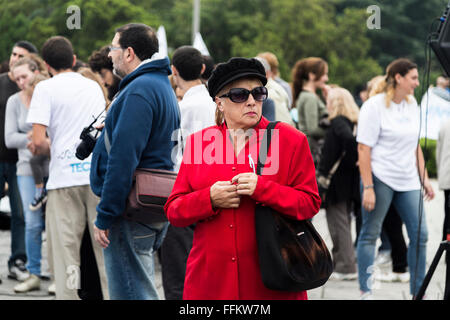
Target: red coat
column 223, row 262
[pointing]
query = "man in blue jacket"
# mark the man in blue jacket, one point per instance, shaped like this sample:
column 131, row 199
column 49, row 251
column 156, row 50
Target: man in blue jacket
column 139, row 126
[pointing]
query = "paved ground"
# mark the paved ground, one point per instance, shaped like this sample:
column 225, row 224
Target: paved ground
column 332, row 290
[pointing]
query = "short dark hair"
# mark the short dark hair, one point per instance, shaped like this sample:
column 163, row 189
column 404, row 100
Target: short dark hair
column 140, row 37
column 58, row 53
column 209, row 66
column 99, row 60
column 26, row 45
column 188, row 61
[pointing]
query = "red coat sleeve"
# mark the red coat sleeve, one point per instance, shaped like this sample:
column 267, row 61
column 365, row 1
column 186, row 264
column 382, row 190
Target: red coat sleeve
column 300, row 198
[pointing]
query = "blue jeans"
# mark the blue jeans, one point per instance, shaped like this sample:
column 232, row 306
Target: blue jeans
column 407, row 205
column 129, row 259
column 34, row 224
column 8, row 174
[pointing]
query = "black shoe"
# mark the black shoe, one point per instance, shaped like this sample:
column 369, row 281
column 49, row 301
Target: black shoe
column 39, row 201
column 18, row 271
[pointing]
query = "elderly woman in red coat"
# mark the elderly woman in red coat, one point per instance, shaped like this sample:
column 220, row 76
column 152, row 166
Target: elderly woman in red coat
column 217, row 187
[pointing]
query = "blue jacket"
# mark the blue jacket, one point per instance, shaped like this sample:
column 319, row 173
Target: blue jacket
column 139, row 125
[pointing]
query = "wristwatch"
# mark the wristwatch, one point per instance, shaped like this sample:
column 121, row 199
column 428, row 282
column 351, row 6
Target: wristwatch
column 368, row 187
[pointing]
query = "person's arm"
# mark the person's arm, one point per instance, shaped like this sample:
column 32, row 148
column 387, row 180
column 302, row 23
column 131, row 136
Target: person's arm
column 365, row 170
column 369, row 128
column 186, row 206
column 311, row 115
column 423, row 175
column 14, row 139
column 39, row 142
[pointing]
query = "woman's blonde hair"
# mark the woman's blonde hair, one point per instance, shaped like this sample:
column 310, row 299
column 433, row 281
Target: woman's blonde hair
column 33, row 82
column 388, row 85
column 342, row 103
column 34, row 63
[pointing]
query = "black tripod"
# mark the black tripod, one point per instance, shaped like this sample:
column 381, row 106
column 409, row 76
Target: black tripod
column 444, row 246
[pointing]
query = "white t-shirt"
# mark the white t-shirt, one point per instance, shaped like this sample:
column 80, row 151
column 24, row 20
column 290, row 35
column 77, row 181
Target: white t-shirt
column 393, row 134
column 66, row 104
column 435, row 112
column 197, row 112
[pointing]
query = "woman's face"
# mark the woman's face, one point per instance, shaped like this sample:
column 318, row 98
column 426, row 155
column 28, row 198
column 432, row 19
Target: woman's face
column 409, row 82
column 243, row 115
column 322, row 81
column 23, row 75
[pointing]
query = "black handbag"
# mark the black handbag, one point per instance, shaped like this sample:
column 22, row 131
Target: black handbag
column 292, row 255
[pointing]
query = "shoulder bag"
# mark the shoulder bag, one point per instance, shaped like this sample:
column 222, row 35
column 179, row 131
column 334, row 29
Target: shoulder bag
column 292, row 255
column 149, row 193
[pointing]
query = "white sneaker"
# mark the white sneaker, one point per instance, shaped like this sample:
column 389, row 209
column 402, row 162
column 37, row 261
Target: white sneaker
column 383, row 258
column 366, row 295
column 32, row 283
column 343, row 276
column 401, row 277
column 393, row 277
column 18, row 271
column 52, row 289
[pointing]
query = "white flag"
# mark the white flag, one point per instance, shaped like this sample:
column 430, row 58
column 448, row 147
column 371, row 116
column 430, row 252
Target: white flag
column 162, row 40
column 200, row 45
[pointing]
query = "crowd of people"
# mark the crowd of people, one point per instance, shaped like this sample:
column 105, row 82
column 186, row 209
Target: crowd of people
column 205, row 122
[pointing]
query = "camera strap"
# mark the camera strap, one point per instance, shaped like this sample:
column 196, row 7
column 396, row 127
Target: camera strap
column 107, row 143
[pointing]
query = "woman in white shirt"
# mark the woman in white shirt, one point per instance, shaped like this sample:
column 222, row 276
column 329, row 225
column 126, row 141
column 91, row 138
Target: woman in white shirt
column 392, row 169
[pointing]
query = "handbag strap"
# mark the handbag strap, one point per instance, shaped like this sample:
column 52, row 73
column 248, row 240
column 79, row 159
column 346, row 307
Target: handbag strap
column 264, row 148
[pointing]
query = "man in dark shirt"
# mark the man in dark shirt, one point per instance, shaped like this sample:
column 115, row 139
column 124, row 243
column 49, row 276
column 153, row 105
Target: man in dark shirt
column 8, row 159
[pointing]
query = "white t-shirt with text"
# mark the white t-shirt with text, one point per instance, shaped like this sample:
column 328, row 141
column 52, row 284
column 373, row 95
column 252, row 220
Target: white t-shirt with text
column 65, row 104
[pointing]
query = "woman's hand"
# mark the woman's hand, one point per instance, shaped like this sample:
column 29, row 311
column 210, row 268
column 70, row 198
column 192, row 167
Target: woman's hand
column 224, row 195
column 368, row 200
column 246, row 183
column 428, row 190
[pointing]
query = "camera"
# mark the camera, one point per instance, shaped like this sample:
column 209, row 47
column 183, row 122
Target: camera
column 87, row 144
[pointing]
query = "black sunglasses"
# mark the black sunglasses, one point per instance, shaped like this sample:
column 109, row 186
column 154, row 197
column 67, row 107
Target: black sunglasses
column 239, row 95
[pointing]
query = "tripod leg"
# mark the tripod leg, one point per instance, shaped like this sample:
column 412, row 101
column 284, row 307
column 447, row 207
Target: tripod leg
column 430, row 272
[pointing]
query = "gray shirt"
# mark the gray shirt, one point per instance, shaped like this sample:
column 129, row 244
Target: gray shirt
column 16, row 129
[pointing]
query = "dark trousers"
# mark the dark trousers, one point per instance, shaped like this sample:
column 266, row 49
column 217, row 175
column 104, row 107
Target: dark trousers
column 446, row 230
column 8, row 174
column 90, row 288
column 173, row 256
column 393, row 225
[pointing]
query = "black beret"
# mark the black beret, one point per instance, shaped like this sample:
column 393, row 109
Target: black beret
column 234, row 69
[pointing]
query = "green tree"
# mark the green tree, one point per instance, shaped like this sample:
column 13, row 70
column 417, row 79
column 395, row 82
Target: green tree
column 36, row 21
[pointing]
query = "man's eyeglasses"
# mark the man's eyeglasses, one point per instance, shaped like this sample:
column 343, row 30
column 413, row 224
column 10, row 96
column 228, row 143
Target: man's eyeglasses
column 112, row 48
column 239, row 95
